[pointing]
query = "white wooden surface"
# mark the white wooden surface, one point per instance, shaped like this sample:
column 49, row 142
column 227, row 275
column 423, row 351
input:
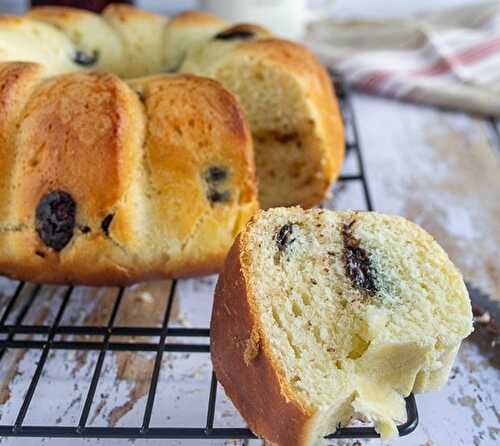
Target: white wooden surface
column 438, row 168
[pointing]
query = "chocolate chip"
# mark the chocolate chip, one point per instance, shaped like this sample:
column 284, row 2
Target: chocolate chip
column 85, row 59
column 106, row 222
column 215, row 174
column 216, row 196
column 55, row 219
column 84, row 229
column 40, row 254
column 283, row 237
column 233, row 34
column 141, row 96
column 357, row 263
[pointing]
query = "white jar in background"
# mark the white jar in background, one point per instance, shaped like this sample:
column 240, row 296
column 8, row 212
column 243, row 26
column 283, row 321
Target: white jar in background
column 286, row 18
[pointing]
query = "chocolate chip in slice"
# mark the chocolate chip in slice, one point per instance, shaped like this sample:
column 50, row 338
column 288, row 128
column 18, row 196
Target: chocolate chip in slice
column 55, row 219
column 357, row 263
column 283, row 237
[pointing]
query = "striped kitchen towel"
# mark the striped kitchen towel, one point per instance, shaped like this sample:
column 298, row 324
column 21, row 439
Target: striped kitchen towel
column 449, row 58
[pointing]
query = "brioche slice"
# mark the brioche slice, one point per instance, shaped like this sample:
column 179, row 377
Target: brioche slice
column 288, row 99
column 320, row 316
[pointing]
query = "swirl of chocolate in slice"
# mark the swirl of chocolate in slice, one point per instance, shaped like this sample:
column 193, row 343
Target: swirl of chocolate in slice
column 357, row 263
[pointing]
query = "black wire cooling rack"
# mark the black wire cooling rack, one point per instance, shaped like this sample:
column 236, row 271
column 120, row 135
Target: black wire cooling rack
column 64, row 337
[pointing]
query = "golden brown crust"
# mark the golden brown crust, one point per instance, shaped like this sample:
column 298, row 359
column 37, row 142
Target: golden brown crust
column 77, row 122
column 11, row 20
column 202, row 126
column 235, row 339
column 201, row 111
column 93, row 275
column 53, row 13
column 139, row 160
column 196, row 18
column 124, row 12
column 78, row 134
column 127, row 119
column 16, row 83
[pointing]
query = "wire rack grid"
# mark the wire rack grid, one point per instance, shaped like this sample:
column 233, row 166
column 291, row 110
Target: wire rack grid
column 69, row 337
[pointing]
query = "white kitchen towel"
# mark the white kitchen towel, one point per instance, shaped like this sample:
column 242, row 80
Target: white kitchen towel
column 450, row 58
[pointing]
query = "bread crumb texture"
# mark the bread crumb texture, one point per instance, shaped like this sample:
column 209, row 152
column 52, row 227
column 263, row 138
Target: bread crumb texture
column 355, row 310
